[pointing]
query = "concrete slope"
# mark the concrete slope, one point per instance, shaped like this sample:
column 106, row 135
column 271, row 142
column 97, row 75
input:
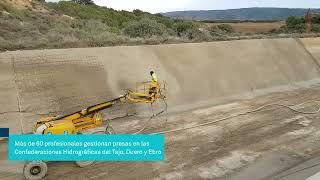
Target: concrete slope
column 312, row 45
column 62, row 81
column 9, row 116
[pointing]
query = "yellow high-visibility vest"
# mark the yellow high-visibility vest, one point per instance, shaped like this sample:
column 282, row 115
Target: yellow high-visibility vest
column 154, row 78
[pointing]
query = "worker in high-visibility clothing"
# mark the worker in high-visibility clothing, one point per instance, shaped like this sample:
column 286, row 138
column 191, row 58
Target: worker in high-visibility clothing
column 154, row 77
column 154, row 83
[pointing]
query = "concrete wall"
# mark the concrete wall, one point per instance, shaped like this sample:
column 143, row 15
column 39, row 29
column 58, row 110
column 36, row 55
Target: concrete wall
column 62, row 81
column 312, row 45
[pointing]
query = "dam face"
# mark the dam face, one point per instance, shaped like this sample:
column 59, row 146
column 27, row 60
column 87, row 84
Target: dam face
column 45, row 82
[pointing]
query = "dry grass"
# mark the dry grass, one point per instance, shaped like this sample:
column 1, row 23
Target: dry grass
column 253, row 27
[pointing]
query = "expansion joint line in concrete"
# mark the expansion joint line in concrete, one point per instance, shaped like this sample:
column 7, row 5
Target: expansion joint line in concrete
column 308, row 52
column 9, row 112
column 34, row 113
column 17, row 91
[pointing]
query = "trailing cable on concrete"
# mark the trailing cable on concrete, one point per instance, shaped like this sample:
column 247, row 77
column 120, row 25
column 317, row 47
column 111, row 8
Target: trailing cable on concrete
column 241, row 114
column 153, row 116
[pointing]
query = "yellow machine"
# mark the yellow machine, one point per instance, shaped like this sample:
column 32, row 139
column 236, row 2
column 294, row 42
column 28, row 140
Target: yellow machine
column 91, row 117
column 89, row 120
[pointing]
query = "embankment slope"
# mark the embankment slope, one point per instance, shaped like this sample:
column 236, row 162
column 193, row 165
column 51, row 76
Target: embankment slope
column 41, row 82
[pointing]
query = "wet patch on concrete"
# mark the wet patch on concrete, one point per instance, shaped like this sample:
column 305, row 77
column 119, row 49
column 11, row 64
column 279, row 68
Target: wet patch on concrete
column 227, row 164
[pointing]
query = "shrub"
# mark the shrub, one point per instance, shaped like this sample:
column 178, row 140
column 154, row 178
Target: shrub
column 220, row 30
column 144, row 28
column 293, row 21
column 299, row 28
column 316, row 19
column 84, row 2
column 183, row 28
column 227, row 28
column 315, row 28
column 14, row 12
column 296, row 24
column 215, row 31
column 138, row 12
column 91, row 26
column 283, row 29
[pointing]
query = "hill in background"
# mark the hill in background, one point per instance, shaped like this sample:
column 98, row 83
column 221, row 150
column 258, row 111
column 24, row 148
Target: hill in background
column 253, row 14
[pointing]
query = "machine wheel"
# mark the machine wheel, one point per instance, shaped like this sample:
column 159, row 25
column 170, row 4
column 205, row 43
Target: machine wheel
column 94, row 131
column 35, row 170
column 83, row 164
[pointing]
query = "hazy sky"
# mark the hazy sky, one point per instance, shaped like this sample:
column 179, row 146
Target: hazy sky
column 155, row 6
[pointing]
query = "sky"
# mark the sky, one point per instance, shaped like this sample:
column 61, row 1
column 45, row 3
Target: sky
column 156, row 6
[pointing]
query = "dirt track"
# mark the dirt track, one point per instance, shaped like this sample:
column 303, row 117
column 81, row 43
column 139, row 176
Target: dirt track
column 39, row 83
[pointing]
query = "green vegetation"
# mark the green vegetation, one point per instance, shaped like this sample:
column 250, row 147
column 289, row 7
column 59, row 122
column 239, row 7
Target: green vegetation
column 145, row 28
column 81, row 23
column 226, row 28
column 184, row 28
column 297, row 24
column 84, row 2
column 220, row 30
